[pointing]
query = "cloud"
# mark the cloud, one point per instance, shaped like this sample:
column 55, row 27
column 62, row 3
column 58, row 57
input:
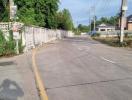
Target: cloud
column 80, row 8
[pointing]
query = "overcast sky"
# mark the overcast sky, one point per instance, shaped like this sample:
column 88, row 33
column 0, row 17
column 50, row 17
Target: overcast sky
column 80, row 8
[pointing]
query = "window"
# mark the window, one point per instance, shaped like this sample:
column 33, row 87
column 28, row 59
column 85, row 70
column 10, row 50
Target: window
column 102, row 29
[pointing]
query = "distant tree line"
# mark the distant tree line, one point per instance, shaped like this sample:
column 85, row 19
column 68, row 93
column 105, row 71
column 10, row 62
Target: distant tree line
column 113, row 20
column 43, row 13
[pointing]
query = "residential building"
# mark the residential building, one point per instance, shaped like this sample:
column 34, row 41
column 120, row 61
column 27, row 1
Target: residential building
column 105, row 28
column 129, row 23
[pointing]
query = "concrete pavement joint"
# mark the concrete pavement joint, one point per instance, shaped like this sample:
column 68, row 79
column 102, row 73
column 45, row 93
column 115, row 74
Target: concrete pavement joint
column 89, row 83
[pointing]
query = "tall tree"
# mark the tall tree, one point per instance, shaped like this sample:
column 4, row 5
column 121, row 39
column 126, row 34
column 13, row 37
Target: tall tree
column 4, row 10
column 26, row 12
column 65, row 20
column 42, row 13
column 83, row 28
column 51, row 9
column 38, row 12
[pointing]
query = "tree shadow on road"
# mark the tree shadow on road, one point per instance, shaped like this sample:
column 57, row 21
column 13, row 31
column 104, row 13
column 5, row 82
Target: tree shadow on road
column 10, row 90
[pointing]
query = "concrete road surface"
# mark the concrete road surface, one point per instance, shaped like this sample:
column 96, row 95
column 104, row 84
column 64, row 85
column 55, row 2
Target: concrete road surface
column 17, row 79
column 82, row 69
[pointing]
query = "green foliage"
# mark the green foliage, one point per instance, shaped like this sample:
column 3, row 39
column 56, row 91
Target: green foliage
column 83, row 28
column 128, row 35
column 51, row 8
column 27, row 16
column 39, row 12
column 113, row 20
column 2, row 43
column 6, row 46
column 26, row 12
column 76, row 31
column 96, row 35
column 4, row 10
column 64, row 20
column 115, row 41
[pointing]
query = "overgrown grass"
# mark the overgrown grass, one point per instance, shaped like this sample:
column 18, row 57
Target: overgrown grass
column 114, row 41
column 7, row 47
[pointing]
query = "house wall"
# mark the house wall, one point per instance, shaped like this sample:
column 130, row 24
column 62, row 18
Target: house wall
column 130, row 26
column 105, row 29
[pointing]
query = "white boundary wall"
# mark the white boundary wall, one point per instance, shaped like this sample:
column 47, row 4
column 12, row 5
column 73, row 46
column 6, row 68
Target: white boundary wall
column 33, row 36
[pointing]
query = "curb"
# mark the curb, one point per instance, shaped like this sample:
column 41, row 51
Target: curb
column 38, row 79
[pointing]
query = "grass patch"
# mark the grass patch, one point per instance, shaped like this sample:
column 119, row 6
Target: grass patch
column 114, row 41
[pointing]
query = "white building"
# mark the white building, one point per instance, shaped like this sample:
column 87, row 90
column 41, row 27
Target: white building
column 105, row 28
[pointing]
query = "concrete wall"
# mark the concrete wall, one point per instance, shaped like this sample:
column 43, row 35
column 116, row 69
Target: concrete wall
column 113, row 33
column 33, row 36
column 5, row 27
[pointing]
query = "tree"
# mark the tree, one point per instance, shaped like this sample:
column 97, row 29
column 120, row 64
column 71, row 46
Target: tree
column 64, row 20
column 83, row 28
column 113, row 20
column 4, row 10
column 38, row 12
column 42, row 13
column 51, row 9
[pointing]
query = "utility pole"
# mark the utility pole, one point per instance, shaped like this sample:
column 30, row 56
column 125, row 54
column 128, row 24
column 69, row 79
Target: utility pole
column 123, row 13
column 16, row 36
column 90, row 20
column 92, row 13
column 94, row 19
column 11, row 4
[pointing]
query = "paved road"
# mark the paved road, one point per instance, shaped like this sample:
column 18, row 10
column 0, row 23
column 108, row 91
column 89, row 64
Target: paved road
column 82, row 69
column 17, row 78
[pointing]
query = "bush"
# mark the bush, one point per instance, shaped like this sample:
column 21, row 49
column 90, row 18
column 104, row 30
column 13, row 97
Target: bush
column 7, row 46
column 96, row 35
column 115, row 41
column 126, row 35
column 2, row 43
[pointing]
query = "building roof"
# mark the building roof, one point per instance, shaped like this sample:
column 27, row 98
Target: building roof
column 105, row 26
column 129, row 18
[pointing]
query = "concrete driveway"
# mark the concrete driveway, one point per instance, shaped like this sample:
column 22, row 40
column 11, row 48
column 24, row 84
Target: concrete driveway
column 82, row 69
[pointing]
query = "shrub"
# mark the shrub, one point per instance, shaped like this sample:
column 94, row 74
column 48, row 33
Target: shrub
column 96, row 35
column 7, row 47
column 2, row 43
column 126, row 35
